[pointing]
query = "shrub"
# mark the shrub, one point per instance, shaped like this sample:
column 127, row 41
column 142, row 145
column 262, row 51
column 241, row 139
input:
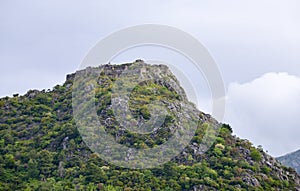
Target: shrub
column 255, row 154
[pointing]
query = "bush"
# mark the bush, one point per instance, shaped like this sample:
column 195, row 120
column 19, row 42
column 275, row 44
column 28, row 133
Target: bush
column 255, row 154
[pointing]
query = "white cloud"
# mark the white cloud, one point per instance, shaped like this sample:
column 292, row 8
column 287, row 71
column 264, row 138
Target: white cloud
column 266, row 111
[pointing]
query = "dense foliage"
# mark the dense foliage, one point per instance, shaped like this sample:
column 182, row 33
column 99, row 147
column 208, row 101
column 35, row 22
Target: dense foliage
column 41, row 149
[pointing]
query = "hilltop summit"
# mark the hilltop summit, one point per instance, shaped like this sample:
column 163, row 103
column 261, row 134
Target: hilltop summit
column 42, row 148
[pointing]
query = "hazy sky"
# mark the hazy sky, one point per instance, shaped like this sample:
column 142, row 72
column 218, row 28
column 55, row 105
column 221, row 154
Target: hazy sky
column 255, row 43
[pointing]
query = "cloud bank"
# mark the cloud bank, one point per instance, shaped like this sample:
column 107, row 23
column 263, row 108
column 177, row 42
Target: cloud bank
column 266, row 111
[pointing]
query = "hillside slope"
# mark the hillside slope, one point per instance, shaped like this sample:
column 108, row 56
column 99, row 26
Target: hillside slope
column 42, row 149
column 292, row 160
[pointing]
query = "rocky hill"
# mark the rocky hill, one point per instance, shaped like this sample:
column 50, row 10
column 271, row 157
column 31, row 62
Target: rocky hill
column 42, row 148
column 292, row 160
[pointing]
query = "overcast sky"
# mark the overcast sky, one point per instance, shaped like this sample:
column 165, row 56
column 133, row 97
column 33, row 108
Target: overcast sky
column 255, row 43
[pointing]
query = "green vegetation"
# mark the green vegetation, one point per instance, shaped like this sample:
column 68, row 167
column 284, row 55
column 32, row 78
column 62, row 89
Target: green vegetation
column 255, row 154
column 41, row 148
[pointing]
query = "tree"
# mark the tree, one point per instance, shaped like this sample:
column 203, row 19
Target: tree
column 45, row 162
column 33, row 171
